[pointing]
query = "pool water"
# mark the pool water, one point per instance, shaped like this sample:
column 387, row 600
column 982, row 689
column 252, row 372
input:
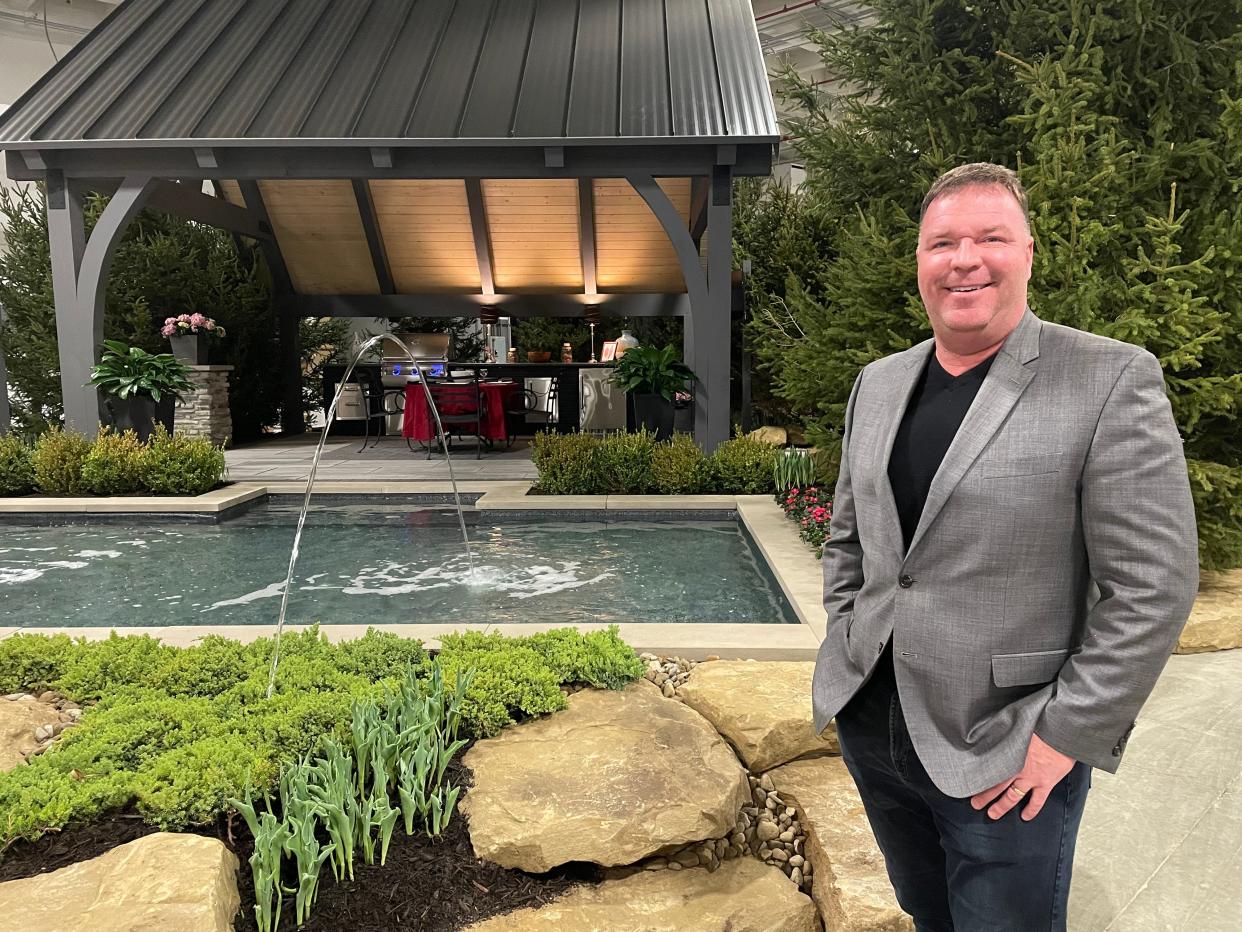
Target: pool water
column 360, row 565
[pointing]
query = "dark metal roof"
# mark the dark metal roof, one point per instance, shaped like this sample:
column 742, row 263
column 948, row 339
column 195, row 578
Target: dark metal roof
column 404, row 73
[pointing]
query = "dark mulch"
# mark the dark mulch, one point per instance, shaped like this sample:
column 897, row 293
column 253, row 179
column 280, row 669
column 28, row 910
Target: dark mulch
column 426, row 885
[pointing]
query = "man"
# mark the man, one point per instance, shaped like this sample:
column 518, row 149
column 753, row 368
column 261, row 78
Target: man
column 1013, row 554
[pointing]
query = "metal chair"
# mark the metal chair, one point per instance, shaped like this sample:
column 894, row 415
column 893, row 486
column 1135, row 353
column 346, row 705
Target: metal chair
column 460, row 405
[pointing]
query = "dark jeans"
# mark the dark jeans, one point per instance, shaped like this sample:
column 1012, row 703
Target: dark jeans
column 953, row 868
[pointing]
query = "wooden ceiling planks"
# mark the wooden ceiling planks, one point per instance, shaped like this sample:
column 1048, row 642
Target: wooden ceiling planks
column 533, row 225
column 427, row 235
column 633, row 253
column 320, row 234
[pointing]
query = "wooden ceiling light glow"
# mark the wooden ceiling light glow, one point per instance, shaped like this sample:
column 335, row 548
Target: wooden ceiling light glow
column 427, row 235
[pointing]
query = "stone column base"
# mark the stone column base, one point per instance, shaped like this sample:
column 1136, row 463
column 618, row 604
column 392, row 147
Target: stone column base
column 1216, row 619
column 205, row 411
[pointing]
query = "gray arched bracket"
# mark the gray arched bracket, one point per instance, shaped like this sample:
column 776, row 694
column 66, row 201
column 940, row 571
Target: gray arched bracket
column 80, row 281
column 708, row 324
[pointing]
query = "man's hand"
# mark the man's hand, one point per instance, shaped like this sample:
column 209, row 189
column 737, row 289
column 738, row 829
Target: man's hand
column 1045, row 767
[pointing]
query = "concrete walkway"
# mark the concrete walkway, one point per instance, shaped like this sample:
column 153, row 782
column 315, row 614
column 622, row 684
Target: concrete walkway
column 391, row 460
column 1161, row 841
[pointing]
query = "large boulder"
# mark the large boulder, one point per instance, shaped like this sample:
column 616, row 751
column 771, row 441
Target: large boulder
column 1216, row 619
column 157, row 883
column 742, row 896
column 763, row 709
column 851, row 885
column 615, row 777
column 26, row 725
column 777, row 436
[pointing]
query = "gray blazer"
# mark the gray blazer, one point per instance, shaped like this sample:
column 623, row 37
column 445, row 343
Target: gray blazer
column 1052, row 570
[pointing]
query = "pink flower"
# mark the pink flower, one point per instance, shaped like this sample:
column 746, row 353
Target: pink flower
column 169, row 329
column 197, row 320
column 210, row 325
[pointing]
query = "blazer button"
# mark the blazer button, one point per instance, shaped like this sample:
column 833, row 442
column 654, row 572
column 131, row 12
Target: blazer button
column 906, row 582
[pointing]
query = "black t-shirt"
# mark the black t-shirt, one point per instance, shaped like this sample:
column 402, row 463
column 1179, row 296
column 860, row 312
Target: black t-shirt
column 936, row 410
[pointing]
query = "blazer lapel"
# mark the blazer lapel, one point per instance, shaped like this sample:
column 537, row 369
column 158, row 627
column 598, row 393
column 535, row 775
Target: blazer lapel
column 901, row 390
column 1006, row 381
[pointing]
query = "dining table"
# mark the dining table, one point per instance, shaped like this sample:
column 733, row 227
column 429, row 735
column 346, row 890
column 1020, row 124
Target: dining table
column 566, row 373
column 417, row 424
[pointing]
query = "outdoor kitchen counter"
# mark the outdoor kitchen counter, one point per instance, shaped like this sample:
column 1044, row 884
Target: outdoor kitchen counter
column 566, row 374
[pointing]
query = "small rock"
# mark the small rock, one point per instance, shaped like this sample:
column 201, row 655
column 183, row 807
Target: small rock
column 767, row 831
column 790, row 811
column 674, row 866
column 656, row 864
column 760, row 798
column 713, row 657
column 778, row 854
column 766, row 783
column 68, row 705
column 685, row 858
column 660, row 678
column 796, row 876
column 738, row 839
column 787, row 836
column 798, row 844
column 770, row 804
column 719, row 846
column 13, row 697
column 42, row 733
column 74, row 714
column 668, row 690
column 48, row 696
column 796, row 860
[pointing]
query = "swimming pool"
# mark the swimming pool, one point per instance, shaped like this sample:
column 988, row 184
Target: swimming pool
column 363, row 563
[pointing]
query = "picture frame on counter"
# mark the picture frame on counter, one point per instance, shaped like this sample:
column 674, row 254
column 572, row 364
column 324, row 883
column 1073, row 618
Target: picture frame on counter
column 609, row 351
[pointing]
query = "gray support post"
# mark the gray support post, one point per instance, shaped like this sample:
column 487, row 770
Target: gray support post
column 291, row 417
column 698, row 322
column 4, row 383
column 79, row 281
column 482, row 235
column 586, row 234
column 720, row 302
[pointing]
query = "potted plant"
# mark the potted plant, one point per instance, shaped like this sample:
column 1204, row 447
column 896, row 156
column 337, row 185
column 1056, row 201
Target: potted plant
column 188, row 334
column 140, row 388
column 651, row 377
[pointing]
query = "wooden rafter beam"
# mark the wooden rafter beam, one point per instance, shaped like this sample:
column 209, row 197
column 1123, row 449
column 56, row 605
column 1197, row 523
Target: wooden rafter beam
column 375, row 239
column 586, row 233
column 482, row 241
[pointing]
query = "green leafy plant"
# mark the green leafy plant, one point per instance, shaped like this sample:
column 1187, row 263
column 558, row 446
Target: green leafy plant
column 679, row 466
column 114, row 464
column 57, row 460
column 17, row 474
column 793, row 468
column 623, row 462
column 178, row 465
column 743, row 466
column 126, row 371
column 648, row 370
column 568, row 464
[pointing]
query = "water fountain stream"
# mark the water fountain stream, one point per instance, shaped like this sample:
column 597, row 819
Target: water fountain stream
column 310, row 483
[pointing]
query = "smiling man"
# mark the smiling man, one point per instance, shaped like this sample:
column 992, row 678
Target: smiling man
column 1012, row 557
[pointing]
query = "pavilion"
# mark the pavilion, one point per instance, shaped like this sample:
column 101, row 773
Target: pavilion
column 413, row 157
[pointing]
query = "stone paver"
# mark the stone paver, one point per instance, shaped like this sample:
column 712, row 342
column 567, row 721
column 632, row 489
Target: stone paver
column 159, row 882
column 742, row 896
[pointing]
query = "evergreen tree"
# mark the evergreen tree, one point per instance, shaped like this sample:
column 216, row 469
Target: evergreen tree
column 1125, row 125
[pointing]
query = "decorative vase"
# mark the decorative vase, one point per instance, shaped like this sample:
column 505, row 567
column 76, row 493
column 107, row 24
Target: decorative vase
column 538, row 355
column 625, row 342
column 655, row 413
column 190, row 348
column 140, row 413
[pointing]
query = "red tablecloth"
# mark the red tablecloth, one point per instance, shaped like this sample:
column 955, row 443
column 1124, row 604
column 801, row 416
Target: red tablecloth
column 418, row 425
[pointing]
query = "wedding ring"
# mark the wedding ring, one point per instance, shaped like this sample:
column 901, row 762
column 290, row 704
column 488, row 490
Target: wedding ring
column 1013, row 788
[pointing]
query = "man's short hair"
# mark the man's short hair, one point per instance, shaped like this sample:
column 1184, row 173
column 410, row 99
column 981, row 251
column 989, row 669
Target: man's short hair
column 978, row 174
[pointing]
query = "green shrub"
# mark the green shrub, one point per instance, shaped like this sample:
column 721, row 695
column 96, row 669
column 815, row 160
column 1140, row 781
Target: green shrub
column 679, row 466
column 623, row 463
column 57, row 460
column 744, row 466
column 178, row 731
column 17, row 476
column 567, row 463
column 179, row 465
column 114, row 464
column 33, row 661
